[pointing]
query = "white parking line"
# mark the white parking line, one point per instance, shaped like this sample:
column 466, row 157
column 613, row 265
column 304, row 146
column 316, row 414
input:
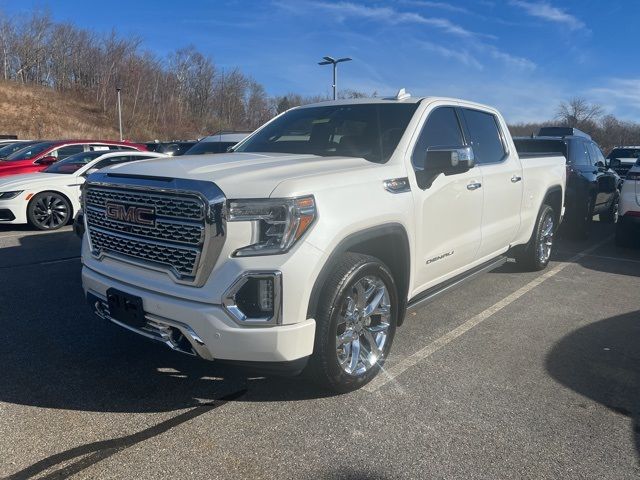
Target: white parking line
column 391, row 373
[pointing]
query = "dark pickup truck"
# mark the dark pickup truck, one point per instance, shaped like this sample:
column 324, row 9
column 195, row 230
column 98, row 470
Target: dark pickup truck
column 592, row 187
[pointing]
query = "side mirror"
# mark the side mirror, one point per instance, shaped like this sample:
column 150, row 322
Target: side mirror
column 599, row 164
column 447, row 160
column 46, row 160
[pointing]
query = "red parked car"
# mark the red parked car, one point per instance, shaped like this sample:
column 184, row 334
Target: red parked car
column 38, row 156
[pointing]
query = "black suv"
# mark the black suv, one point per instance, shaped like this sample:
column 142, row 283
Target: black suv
column 592, row 187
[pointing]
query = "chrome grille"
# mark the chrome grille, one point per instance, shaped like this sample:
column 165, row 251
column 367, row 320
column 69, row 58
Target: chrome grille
column 184, row 237
column 165, row 204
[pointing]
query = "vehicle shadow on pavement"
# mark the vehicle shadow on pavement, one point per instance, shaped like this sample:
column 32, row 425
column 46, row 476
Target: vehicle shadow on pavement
column 602, row 362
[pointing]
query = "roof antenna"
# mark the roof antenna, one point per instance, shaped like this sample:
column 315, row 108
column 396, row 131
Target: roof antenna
column 402, row 94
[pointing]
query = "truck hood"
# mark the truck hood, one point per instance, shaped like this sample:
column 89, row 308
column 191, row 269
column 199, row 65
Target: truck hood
column 242, row 175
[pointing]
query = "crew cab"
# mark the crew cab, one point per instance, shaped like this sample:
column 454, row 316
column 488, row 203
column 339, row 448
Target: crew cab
column 592, row 187
column 47, row 200
column 304, row 248
column 628, row 226
column 38, row 156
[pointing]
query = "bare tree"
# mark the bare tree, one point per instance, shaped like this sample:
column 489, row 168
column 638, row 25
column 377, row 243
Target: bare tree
column 578, row 112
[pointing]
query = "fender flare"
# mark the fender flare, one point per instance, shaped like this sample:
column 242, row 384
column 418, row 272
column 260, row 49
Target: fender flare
column 359, row 238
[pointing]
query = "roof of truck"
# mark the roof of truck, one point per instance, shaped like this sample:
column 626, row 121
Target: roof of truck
column 388, row 100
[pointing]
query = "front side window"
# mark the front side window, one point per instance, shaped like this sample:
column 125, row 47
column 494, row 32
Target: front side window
column 485, row 137
column 579, row 154
column 441, row 129
column 64, row 152
column 369, row 131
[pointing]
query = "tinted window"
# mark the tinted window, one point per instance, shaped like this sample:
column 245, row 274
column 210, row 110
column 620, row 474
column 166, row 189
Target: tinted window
column 73, row 162
column 595, row 153
column 30, row 151
column 14, row 147
column 485, row 136
column 369, row 131
column 578, row 154
column 64, row 152
column 107, row 162
column 625, row 153
column 440, row 130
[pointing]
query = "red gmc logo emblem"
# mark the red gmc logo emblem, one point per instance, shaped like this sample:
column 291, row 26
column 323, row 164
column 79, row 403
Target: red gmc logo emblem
column 132, row 214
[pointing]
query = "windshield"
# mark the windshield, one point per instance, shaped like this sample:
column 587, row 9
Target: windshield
column 624, row 153
column 202, row 148
column 13, row 147
column 73, row 163
column 29, row 152
column 370, row 131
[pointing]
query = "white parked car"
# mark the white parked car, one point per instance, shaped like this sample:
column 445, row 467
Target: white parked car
column 49, row 199
column 628, row 225
column 305, row 246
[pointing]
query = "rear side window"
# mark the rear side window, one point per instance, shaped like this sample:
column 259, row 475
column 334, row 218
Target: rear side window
column 485, row 136
column 578, row 153
column 440, row 130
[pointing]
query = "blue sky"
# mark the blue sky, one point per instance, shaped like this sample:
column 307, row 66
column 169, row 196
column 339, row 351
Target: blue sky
column 523, row 56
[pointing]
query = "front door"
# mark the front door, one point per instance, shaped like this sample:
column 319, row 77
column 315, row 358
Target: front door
column 449, row 210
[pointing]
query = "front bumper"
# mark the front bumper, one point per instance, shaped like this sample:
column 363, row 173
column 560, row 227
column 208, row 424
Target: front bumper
column 208, row 329
column 13, row 211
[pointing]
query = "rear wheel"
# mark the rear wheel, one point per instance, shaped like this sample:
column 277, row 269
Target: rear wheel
column 536, row 253
column 355, row 323
column 611, row 215
column 48, row 211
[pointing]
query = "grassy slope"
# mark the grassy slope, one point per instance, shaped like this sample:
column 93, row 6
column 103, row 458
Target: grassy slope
column 38, row 112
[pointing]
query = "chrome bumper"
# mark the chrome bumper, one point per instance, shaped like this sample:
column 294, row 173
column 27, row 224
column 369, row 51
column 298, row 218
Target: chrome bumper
column 177, row 336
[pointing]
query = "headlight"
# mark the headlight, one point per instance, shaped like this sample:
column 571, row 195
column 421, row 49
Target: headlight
column 279, row 223
column 10, row 195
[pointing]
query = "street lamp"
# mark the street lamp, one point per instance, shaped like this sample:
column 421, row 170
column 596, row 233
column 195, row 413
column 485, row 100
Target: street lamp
column 119, row 112
column 334, row 62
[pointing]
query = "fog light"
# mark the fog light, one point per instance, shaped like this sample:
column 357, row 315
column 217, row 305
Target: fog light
column 255, row 298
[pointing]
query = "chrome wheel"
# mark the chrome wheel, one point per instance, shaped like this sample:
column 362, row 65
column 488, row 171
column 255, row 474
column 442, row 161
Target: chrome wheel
column 363, row 326
column 545, row 241
column 50, row 212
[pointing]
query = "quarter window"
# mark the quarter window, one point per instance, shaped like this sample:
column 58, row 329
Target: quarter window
column 440, row 130
column 485, row 137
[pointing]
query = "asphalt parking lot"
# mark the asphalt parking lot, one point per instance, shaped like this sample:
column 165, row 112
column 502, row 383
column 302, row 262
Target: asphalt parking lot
column 513, row 375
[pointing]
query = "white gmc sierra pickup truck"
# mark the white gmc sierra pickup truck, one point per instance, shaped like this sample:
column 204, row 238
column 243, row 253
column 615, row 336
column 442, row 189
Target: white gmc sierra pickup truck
column 305, row 246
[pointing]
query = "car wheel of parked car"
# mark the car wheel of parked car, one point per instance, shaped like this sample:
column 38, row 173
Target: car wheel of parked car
column 623, row 235
column 611, row 215
column 356, row 321
column 48, row 211
column 536, row 253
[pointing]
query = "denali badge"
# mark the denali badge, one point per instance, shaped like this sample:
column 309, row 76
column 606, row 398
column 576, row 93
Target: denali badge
column 132, row 214
column 440, row 257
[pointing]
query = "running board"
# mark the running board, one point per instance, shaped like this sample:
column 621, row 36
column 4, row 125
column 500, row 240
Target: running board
column 432, row 293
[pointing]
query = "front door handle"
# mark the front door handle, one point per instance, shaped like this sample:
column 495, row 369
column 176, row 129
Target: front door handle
column 474, row 186
column 515, row 179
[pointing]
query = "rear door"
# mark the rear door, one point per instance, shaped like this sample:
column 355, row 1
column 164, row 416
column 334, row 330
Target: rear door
column 448, row 211
column 502, row 180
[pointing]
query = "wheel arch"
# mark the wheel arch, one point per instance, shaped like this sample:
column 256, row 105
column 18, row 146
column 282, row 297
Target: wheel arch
column 57, row 192
column 375, row 241
column 553, row 198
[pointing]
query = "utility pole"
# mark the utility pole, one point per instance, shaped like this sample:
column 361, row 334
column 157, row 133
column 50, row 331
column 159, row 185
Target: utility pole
column 119, row 113
column 332, row 61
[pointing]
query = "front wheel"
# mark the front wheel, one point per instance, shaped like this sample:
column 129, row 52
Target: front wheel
column 537, row 252
column 48, row 211
column 355, row 323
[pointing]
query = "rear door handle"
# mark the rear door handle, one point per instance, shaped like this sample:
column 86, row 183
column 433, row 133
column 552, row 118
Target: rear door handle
column 515, row 179
column 474, row 186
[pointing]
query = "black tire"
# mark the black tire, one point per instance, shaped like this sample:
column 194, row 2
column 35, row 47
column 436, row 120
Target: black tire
column 583, row 221
column 623, row 235
column 529, row 258
column 324, row 366
column 611, row 215
column 49, row 211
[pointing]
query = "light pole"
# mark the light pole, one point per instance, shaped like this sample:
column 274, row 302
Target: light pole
column 334, row 62
column 119, row 113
